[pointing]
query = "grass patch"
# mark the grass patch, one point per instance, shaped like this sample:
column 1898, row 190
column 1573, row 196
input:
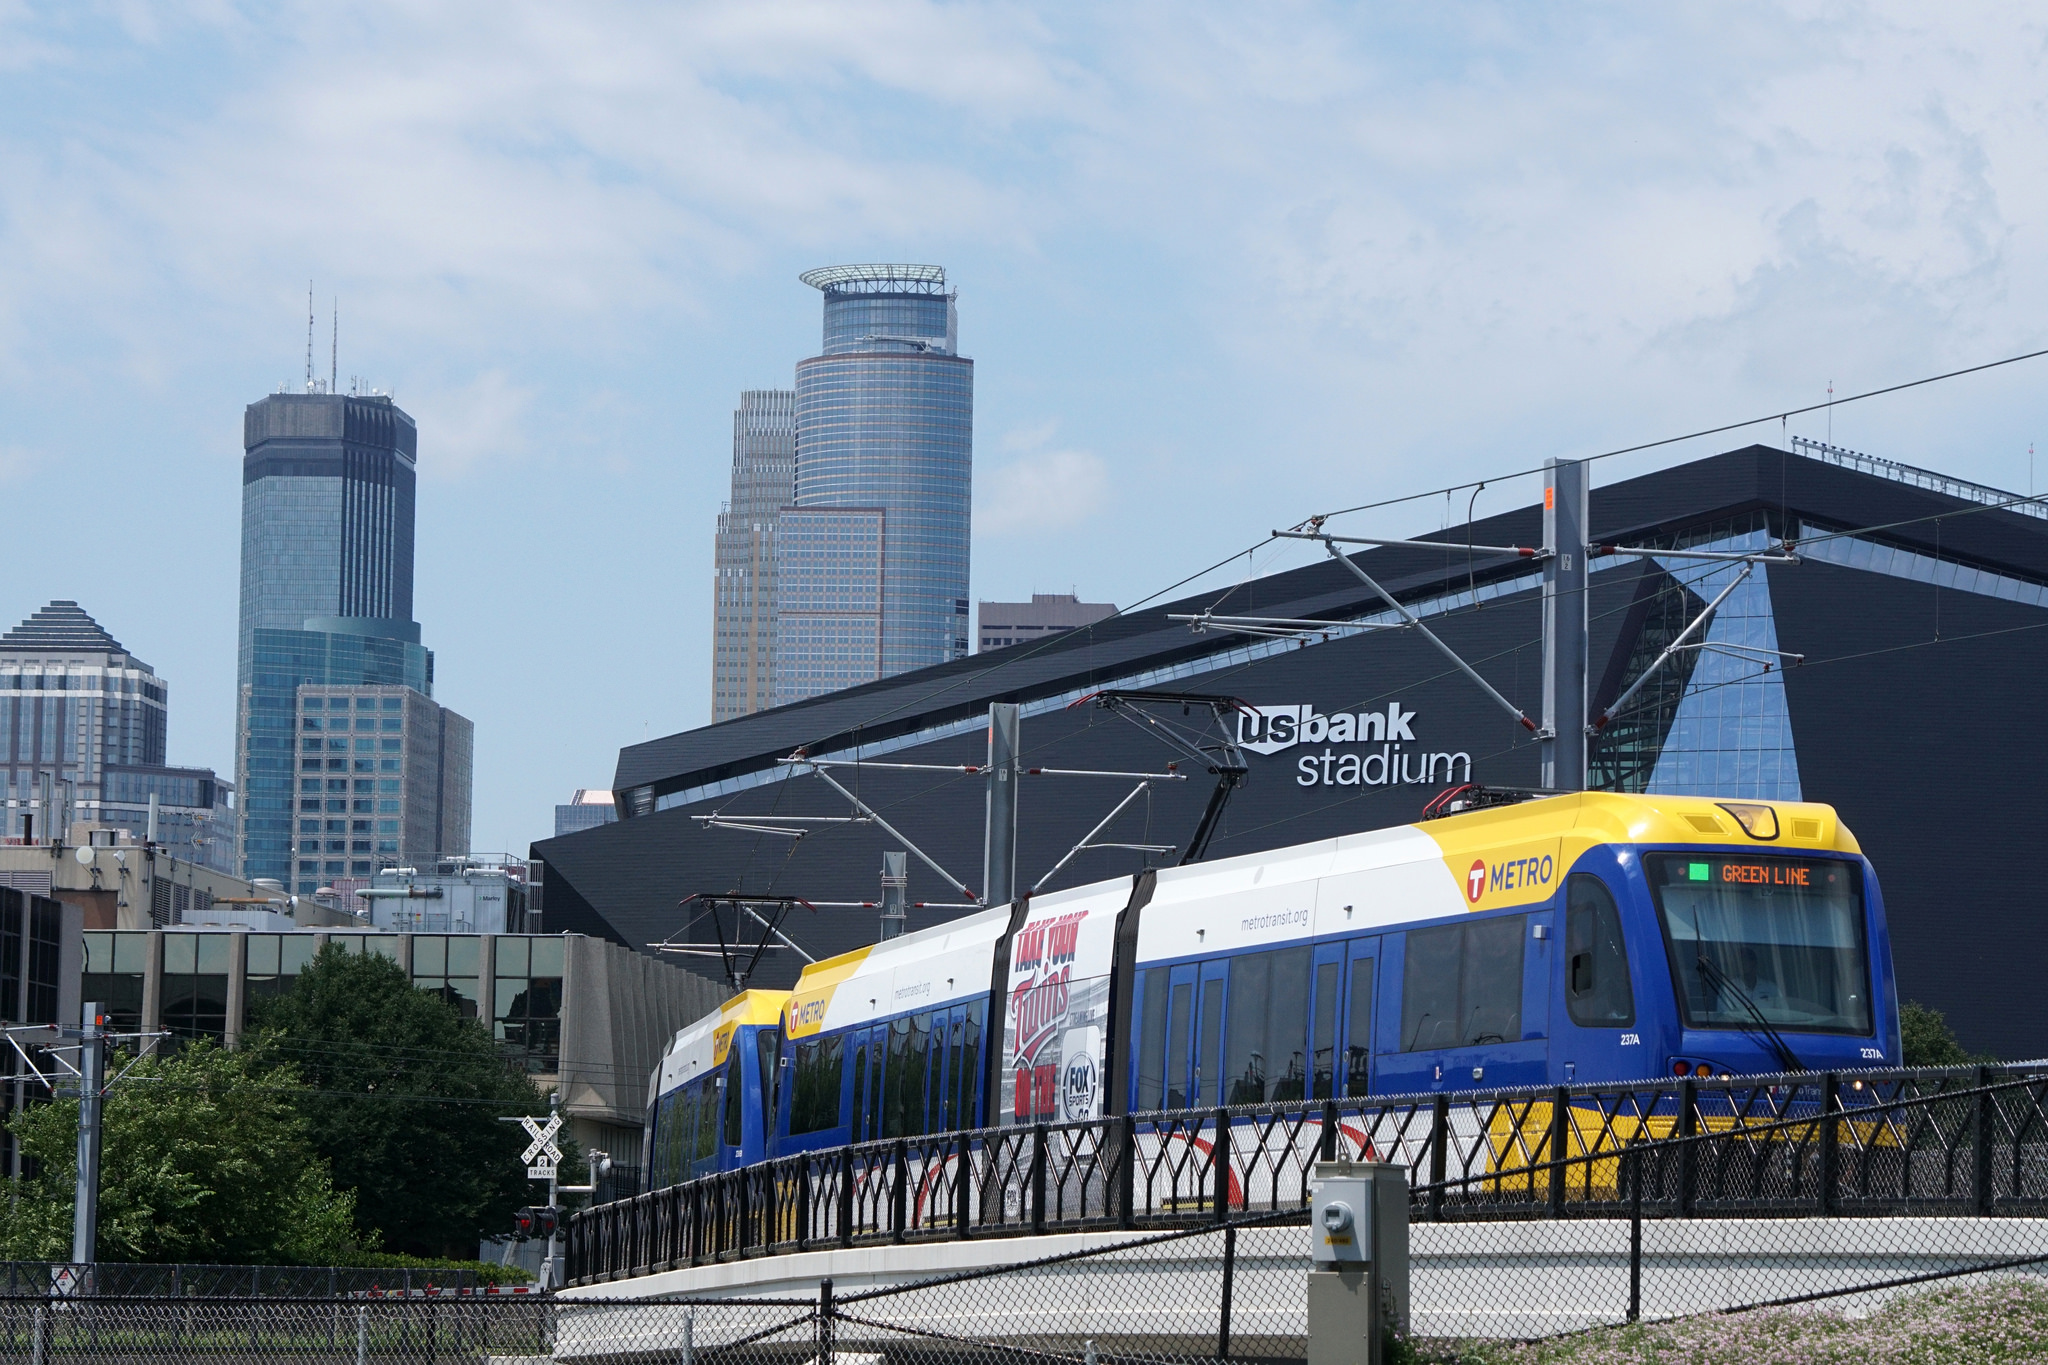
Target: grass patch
column 1981, row 1324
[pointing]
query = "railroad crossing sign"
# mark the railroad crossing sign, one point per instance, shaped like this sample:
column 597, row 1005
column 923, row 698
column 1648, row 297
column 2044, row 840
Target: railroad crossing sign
column 543, row 1146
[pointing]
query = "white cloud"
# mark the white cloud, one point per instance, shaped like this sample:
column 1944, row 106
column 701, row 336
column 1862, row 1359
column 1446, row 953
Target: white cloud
column 1043, row 490
column 1268, row 260
column 480, row 422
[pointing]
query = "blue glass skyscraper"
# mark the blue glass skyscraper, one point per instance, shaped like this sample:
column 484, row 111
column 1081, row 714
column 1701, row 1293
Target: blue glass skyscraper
column 873, row 553
column 328, row 486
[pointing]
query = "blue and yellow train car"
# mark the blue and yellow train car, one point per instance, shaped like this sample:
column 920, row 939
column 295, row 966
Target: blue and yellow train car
column 1584, row 938
column 711, row 1096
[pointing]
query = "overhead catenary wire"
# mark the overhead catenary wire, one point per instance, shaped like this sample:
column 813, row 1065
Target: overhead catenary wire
column 1778, row 416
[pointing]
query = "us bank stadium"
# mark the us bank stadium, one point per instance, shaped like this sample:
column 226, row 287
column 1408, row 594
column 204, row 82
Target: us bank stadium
column 1898, row 671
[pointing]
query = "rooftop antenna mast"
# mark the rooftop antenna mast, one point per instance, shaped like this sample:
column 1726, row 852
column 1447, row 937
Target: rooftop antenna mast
column 309, row 336
column 334, row 350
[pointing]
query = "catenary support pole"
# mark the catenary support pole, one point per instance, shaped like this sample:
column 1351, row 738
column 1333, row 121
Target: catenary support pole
column 85, row 1219
column 1564, row 626
column 999, row 844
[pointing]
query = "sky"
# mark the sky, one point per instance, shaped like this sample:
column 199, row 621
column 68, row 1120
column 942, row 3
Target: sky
column 1220, row 267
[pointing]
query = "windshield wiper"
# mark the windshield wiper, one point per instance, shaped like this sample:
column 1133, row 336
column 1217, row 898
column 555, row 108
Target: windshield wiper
column 1719, row 980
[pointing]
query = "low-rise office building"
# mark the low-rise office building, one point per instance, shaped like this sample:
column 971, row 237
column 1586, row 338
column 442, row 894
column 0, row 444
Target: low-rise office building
column 41, row 948
column 118, row 882
column 582, row 1016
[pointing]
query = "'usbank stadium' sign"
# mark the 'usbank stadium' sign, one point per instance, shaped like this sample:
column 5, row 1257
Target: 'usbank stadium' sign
column 1271, row 729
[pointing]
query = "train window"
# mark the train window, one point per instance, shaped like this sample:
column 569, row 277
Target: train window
column 767, row 1053
column 1174, row 1097
column 1152, row 1040
column 733, row 1085
column 916, row 1075
column 878, row 1096
column 1429, row 988
column 707, row 1121
column 675, row 1135
column 664, row 1121
column 1490, row 1002
column 1462, row 984
column 1597, row 992
column 1287, row 1026
column 814, row 1091
column 970, row 1066
column 1262, row 1055
column 947, row 1110
column 1358, row 1042
column 855, row 1129
column 688, row 1108
column 1324, row 1037
column 1209, row 1043
column 894, row 1105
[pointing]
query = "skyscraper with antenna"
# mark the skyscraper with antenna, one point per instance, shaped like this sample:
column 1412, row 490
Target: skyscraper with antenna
column 328, row 487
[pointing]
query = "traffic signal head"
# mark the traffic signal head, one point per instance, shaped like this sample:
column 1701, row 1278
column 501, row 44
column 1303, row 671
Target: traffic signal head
column 535, row 1222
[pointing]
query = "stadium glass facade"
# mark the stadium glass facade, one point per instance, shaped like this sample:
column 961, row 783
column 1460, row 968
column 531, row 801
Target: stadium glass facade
column 885, row 421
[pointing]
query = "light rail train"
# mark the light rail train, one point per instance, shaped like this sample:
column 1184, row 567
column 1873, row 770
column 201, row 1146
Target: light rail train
column 1591, row 937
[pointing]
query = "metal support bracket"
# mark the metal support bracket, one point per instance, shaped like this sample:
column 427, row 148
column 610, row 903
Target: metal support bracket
column 1599, row 722
column 1521, row 717
column 871, row 813
column 1086, row 839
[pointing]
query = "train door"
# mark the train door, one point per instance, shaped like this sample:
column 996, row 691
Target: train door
column 1596, row 1037
column 732, row 1085
column 949, row 1029
column 1361, row 975
column 773, row 1079
column 864, row 1122
column 1326, row 1004
column 1206, row 1079
column 1180, row 1031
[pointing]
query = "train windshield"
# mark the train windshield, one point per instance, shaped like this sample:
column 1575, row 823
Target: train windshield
column 1768, row 942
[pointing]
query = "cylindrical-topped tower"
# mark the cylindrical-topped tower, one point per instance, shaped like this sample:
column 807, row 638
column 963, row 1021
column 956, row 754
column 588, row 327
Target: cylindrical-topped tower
column 885, row 430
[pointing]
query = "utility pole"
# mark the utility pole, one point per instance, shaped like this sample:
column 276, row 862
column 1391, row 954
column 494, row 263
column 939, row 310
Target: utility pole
column 1565, row 582
column 85, row 1218
column 999, row 857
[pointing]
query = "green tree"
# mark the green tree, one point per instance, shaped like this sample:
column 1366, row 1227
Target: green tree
column 1929, row 1041
column 404, row 1097
column 204, row 1158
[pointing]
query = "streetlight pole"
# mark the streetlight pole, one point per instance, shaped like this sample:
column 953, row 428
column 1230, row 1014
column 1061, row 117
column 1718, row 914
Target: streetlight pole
column 85, row 1218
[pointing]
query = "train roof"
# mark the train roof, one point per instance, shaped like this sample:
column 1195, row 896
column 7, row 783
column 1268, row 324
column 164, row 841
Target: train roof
column 1565, row 824
column 747, row 1007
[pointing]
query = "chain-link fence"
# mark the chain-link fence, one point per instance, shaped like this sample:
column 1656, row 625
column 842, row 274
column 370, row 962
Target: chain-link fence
column 1232, row 1292
column 40, row 1279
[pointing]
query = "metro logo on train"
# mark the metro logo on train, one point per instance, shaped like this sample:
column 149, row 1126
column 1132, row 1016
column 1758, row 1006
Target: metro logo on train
column 1585, row 938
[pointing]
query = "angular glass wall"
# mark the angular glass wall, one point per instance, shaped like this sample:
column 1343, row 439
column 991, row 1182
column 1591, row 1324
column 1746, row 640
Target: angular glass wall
column 1732, row 734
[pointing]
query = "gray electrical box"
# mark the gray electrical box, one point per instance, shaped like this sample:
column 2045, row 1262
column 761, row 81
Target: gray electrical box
column 1358, row 1234
column 1341, row 1232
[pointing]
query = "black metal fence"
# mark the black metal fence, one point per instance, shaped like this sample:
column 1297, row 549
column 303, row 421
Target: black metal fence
column 1940, row 1141
column 42, row 1279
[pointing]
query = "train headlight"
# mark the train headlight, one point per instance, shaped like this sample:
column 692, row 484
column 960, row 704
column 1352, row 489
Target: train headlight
column 1758, row 822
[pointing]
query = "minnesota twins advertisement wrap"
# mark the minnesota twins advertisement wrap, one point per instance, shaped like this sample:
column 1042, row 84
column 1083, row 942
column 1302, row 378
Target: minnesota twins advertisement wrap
column 1056, row 1008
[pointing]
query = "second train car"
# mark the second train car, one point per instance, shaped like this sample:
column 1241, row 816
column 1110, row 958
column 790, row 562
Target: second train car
column 1584, row 938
